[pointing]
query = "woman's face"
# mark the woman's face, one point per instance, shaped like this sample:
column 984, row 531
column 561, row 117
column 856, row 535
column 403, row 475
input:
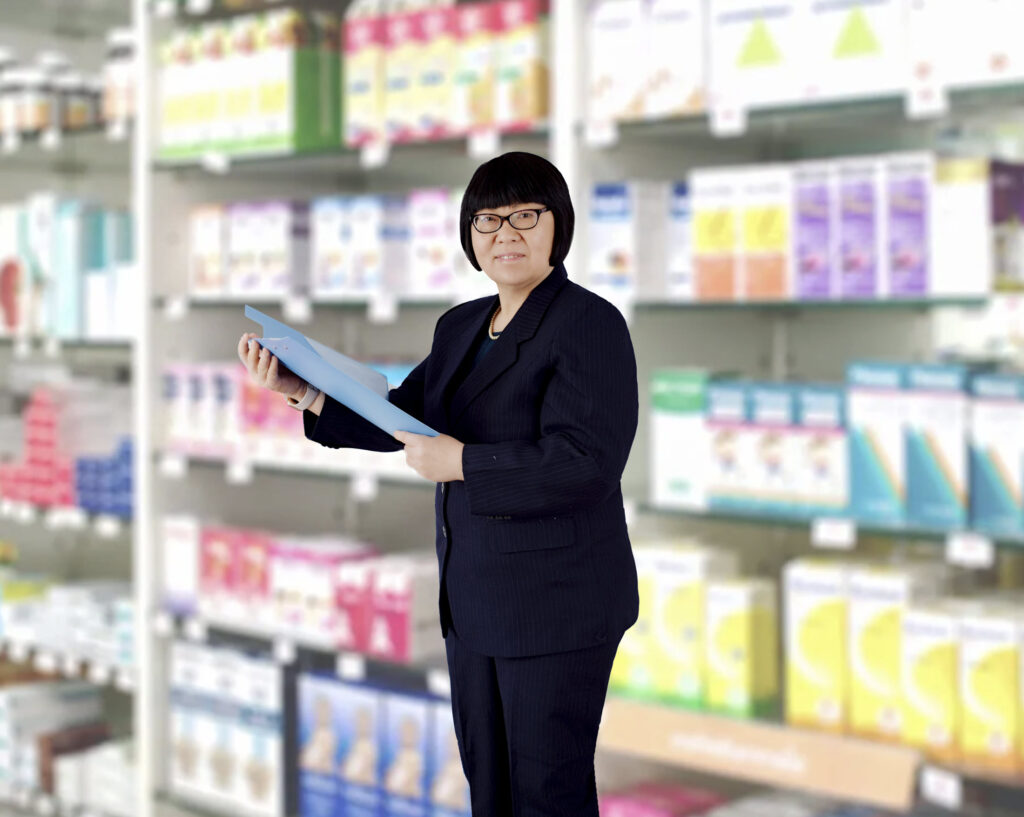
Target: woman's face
column 516, row 258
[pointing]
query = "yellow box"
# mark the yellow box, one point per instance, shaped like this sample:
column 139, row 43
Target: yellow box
column 742, row 647
column 990, row 689
column 816, row 667
column 930, row 672
column 878, row 597
column 631, row 671
column 363, row 78
column 523, row 76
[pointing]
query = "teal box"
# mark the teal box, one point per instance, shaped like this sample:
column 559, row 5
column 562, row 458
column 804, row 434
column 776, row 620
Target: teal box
column 69, row 268
column 876, row 410
column 996, row 453
column 824, row 460
column 731, row 437
column 775, row 448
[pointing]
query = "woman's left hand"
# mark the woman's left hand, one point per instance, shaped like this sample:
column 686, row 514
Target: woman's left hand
column 438, row 459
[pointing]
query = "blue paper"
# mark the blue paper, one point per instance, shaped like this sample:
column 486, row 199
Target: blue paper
column 352, row 384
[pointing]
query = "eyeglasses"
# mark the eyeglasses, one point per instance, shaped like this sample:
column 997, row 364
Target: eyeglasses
column 519, row 220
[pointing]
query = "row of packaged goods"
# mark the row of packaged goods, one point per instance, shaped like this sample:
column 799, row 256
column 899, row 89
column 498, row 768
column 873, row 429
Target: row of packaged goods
column 50, row 95
column 685, row 55
column 216, row 410
column 932, row 446
column 85, row 621
column 332, row 592
column 290, row 79
column 71, row 448
column 899, row 226
column 57, row 741
column 880, row 650
column 66, row 269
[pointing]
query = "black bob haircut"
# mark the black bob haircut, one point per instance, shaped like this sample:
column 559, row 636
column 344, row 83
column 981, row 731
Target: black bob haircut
column 518, row 178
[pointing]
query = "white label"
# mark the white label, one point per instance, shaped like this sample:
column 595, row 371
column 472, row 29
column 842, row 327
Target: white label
column 834, row 534
column 108, row 526
column 195, row 630
column 46, row 806
column 163, row 624
column 75, row 518
column 215, row 162
column 71, row 666
column 12, row 141
column 351, row 667
column 50, row 139
column 941, row 787
column 374, row 154
column 383, row 308
column 198, row 6
column 23, row 797
column 54, row 519
column 728, row 120
column 439, row 683
column 926, row 100
column 18, row 652
column 969, row 549
column 125, row 680
column 364, row 486
column 173, row 465
column 176, row 307
column 298, row 309
column 284, row 651
column 27, row 514
column 99, row 674
column 483, row 144
column 45, row 662
column 603, row 134
column 22, row 348
column 164, row 9
column 240, row 472
column 52, row 347
column 6, row 508
column 117, row 130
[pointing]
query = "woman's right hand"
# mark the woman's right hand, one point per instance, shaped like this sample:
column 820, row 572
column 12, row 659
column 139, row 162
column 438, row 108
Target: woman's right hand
column 266, row 370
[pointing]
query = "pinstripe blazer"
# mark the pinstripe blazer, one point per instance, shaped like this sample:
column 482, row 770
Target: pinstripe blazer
column 532, row 548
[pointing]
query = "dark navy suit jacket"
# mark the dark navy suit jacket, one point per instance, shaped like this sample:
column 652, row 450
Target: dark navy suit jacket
column 532, row 546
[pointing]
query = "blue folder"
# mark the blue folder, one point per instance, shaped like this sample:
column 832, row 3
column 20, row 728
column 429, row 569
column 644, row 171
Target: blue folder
column 362, row 389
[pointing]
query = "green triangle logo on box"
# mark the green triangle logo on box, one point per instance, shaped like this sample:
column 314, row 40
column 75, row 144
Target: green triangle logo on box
column 857, row 39
column 760, row 49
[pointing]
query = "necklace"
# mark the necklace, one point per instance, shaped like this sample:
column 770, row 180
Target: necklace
column 490, row 329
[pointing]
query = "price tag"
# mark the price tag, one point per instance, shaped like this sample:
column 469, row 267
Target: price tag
column 176, row 307
column 71, row 666
column 173, row 465
column 215, row 162
column 195, row 630
column 198, row 6
column 45, row 662
column 23, row 797
column 298, row 309
column 834, row 533
column 50, row 140
column 439, row 683
column 75, row 518
column 239, row 472
column 117, row 130
column 54, row 519
column 351, row 667
column 12, row 141
column 22, row 348
column 601, row 134
column 483, row 144
column 52, row 347
column 383, row 308
column 17, row 651
column 374, row 154
column 99, row 674
column 6, row 508
column 164, row 9
column 163, row 624
column 728, row 119
column 125, row 680
column 926, row 100
column 108, row 526
column 27, row 514
column 364, row 486
column 284, row 651
column 968, row 549
column 46, row 806
column 942, row 787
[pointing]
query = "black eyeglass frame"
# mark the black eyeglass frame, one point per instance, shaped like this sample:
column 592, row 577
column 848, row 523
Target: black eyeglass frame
column 502, row 219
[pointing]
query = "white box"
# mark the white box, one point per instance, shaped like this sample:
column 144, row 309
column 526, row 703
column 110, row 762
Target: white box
column 680, row 448
column 207, row 275
column 179, row 550
column 615, row 44
column 625, row 238
column 674, row 57
column 331, row 256
column 961, row 238
column 431, row 274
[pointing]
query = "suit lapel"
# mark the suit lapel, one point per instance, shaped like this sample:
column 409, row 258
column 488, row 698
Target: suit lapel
column 506, row 349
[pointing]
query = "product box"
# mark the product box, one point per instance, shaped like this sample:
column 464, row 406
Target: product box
column 449, row 789
column 862, row 236
column 815, row 644
column 320, row 748
column 259, row 738
column 878, row 597
column 997, row 453
column 435, row 81
column 776, row 448
column 715, row 199
column 252, row 579
column 877, row 414
column 616, row 87
column 354, row 603
column 331, row 236
column 625, row 239
column 243, row 270
column 679, row 281
column 990, row 658
column 361, row 739
column 909, row 183
column 766, row 197
column 732, row 446
column 220, row 684
column 673, row 58
column 741, row 647
column 403, row 626
column 523, row 73
column 433, row 233
column 823, row 469
column 282, row 241
column 190, row 727
column 938, row 424
column 755, row 56
column 364, row 77
column 679, row 441
column 380, row 240
column 929, row 673
column 180, row 549
column 962, row 228
column 475, row 78
column 69, row 265
column 632, row 670
column 218, row 559
column 407, row 760
column 404, row 47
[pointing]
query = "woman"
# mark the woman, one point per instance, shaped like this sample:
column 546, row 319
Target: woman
column 534, row 394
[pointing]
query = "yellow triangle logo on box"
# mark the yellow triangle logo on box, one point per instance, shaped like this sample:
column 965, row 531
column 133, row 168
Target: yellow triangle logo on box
column 857, row 39
column 760, row 48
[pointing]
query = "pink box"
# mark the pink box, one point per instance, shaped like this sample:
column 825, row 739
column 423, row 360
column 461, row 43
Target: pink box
column 403, row 35
column 363, row 34
column 253, row 574
column 657, row 799
column 218, row 571
column 437, row 113
column 353, row 596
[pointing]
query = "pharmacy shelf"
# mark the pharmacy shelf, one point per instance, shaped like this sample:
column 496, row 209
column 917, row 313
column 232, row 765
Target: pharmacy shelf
column 788, row 306
column 94, row 152
column 75, row 519
column 73, row 19
column 50, row 662
column 893, row 530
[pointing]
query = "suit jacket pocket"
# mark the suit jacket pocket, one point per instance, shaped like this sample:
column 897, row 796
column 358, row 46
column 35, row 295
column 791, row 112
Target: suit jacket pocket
column 511, row 535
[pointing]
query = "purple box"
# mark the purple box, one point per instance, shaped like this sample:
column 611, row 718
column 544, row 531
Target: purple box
column 815, row 228
column 859, row 228
column 909, row 188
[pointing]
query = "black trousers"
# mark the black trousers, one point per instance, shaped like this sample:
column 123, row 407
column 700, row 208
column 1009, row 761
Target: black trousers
column 527, row 728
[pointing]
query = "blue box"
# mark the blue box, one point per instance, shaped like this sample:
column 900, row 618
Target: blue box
column 997, row 453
